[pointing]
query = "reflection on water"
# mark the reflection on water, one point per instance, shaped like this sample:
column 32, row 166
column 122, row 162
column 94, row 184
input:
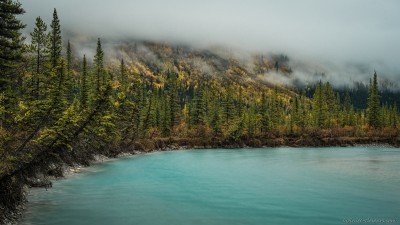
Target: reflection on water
column 263, row 186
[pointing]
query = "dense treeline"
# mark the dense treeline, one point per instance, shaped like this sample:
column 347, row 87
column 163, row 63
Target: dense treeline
column 51, row 100
column 358, row 93
column 57, row 106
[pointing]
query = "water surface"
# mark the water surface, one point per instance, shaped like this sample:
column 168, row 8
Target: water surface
column 257, row 186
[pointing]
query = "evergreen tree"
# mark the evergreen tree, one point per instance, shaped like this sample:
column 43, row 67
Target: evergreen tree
column 296, row 112
column 319, row 106
column 196, row 111
column 337, row 111
column 10, row 39
column 84, row 92
column 240, row 105
column 69, row 57
column 347, row 108
column 55, row 40
column 373, row 110
column 215, row 119
column 166, row 116
column 124, row 75
column 228, row 106
column 265, row 119
column 304, row 111
column 11, row 44
column 330, row 100
column 40, row 43
column 99, row 66
column 172, row 92
column 59, row 88
column 253, row 121
column 274, row 109
column 73, row 81
column 393, row 116
column 149, row 115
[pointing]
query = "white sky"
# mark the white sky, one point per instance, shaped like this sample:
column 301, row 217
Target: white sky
column 339, row 31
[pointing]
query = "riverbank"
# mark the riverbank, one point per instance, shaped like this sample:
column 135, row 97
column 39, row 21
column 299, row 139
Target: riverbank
column 43, row 179
column 302, row 141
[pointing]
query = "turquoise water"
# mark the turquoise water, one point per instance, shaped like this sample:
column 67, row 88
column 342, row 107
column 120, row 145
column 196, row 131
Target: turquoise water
column 258, row 186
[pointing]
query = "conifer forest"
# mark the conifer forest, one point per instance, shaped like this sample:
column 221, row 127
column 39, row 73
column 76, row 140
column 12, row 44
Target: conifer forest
column 58, row 105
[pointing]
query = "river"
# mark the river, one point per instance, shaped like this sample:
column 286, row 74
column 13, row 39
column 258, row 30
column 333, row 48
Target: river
column 246, row 186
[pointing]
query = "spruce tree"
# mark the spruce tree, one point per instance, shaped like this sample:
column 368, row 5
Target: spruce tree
column 99, row 66
column 228, row 105
column 330, row 104
column 40, row 44
column 319, row 106
column 60, row 84
column 393, row 116
column 196, row 109
column 84, row 92
column 11, row 41
column 73, row 80
column 296, row 114
column 304, row 111
column 347, row 108
column 166, row 116
column 69, row 57
column 373, row 110
column 265, row 118
column 275, row 115
column 215, row 118
column 124, row 76
column 173, row 93
column 11, row 44
column 55, row 40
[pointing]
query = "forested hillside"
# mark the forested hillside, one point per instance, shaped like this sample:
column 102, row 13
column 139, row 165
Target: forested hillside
column 57, row 106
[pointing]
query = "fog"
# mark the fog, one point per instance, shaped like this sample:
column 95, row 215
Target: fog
column 345, row 40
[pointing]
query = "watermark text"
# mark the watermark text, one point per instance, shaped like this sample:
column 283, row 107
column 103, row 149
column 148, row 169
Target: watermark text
column 374, row 221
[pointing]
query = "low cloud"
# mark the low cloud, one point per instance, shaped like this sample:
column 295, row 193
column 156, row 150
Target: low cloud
column 346, row 40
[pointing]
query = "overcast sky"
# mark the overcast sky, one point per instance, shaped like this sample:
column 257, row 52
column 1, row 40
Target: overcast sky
column 339, row 31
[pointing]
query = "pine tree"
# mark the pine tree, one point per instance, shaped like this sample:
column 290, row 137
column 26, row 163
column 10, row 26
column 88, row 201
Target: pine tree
column 124, row 76
column 265, row 119
column 228, row 106
column 330, row 104
column 253, row 120
column 69, row 57
column 319, row 106
column 274, row 111
column 304, row 111
column 55, row 40
column 60, row 84
column 240, row 105
column 73, row 81
column 10, row 39
column 84, row 92
column 196, row 109
column 373, row 110
column 393, row 116
column 40, row 43
column 215, row 119
column 296, row 112
column 173, row 93
column 166, row 116
column 11, row 44
column 347, row 109
column 99, row 66
column 337, row 111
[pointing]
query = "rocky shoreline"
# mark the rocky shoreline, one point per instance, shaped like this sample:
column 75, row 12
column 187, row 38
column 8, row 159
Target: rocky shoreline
column 145, row 146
